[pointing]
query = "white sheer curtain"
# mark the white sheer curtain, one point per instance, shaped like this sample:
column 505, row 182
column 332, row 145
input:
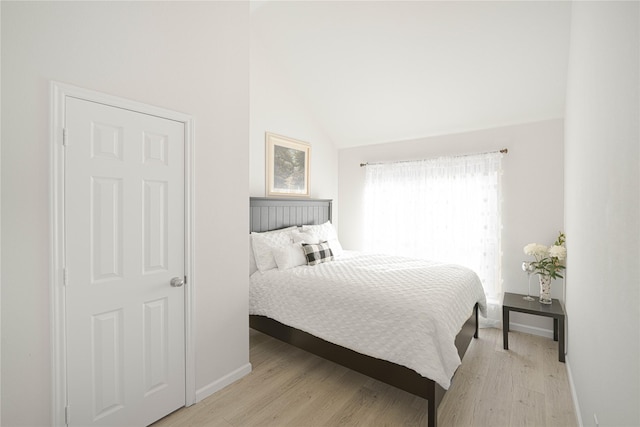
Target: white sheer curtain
column 444, row 209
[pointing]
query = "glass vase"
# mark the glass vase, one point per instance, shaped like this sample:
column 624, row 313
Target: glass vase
column 545, row 289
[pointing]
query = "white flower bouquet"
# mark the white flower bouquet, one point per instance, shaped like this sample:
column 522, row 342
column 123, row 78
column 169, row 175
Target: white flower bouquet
column 548, row 259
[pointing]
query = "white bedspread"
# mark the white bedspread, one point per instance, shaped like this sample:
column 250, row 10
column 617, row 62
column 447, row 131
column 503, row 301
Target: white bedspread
column 403, row 310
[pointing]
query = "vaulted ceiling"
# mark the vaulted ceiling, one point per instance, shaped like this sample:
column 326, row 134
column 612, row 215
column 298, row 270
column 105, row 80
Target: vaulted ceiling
column 381, row 71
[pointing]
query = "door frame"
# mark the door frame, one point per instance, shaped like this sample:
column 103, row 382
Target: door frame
column 59, row 92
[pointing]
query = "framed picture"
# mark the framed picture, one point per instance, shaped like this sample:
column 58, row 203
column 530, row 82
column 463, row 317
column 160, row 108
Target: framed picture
column 287, row 166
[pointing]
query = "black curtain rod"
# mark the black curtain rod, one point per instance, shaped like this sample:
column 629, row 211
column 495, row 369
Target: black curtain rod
column 503, row 151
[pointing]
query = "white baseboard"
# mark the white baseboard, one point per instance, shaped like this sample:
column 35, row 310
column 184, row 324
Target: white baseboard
column 547, row 333
column 574, row 395
column 221, row 383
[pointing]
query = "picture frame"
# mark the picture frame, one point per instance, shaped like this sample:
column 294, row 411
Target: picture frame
column 288, row 163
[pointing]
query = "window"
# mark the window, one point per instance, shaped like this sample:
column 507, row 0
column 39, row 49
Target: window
column 444, row 209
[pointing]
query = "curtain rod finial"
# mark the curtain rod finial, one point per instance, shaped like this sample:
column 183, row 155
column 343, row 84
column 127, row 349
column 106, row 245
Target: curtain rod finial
column 504, row 150
column 363, row 164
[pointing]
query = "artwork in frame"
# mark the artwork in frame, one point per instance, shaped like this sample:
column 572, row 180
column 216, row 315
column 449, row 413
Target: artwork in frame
column 287, row 166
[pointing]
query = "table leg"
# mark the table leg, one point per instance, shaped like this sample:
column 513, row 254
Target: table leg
column 555, row 329
column 561, row 338
column 475, row 335
column 505, row 327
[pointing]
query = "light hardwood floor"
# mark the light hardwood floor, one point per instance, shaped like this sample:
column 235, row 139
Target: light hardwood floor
column 525, row 386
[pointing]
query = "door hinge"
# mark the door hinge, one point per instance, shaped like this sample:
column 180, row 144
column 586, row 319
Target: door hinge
column 64, row 137
column 66, row 415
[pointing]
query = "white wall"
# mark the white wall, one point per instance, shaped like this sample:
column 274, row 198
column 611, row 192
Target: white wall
column 602, row 211
column 532, row 192
column 379, row 71
column 190, row 57
column 0, row 218
column 276, row 107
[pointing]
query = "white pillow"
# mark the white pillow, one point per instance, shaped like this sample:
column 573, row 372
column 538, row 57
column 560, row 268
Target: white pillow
column 263, row 243
column 326, row 233
column 289, row 256
column 304, row 237
column 252, row 258
column 335, row 246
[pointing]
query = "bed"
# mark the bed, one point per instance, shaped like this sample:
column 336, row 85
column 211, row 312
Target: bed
column 270, row 290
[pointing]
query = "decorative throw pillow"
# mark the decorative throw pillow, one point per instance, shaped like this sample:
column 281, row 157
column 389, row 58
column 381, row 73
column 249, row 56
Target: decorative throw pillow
column 317, row 253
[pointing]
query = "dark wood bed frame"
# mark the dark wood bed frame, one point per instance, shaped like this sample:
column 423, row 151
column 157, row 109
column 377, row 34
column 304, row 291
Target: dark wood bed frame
column 271, row 214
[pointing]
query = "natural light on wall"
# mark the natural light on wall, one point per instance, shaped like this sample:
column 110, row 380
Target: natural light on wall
column 443, row 209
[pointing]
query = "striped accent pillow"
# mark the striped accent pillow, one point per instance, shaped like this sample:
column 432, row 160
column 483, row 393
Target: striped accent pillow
column 317, row 253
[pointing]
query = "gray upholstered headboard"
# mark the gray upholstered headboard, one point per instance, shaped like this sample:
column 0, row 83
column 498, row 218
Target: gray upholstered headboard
column 267, row 213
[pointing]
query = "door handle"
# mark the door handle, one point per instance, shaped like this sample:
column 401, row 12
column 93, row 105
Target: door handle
column 176, row 282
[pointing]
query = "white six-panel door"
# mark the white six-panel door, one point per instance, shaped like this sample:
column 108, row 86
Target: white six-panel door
column 124, row 243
